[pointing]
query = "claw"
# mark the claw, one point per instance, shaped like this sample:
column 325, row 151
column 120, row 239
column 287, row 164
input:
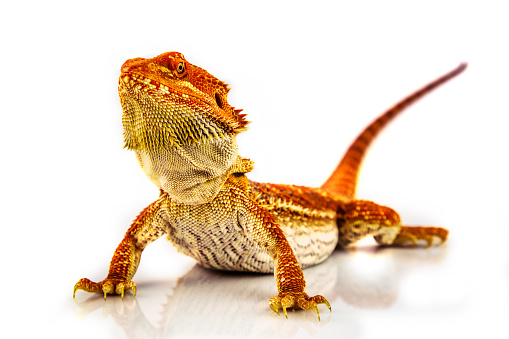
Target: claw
column 317, row 313
column 328, row 305
column 120, row 290
column 274, row 308
column 321, row 300
column 284, row 311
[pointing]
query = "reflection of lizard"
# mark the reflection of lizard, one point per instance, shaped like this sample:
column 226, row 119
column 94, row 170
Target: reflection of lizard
column 177, row 119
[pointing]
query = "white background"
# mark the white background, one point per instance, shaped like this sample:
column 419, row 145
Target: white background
column 310, row 75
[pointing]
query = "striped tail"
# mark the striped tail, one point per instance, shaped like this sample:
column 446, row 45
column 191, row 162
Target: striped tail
column 343, row 180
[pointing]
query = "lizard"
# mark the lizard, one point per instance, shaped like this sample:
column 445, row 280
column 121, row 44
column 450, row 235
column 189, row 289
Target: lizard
column 177, row 120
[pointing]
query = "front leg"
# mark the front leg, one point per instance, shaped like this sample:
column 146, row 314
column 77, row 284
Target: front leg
column 147, row 227
column 263, row 230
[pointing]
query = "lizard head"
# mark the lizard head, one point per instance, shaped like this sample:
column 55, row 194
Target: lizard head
column 168, row 101
column 177, row 119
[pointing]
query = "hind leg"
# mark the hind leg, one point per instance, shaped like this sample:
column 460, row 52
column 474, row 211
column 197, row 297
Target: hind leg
column 361, row 218
column 420, row 236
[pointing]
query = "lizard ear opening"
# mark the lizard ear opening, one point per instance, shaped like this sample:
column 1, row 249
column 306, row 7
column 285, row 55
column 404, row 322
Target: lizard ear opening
column 218, row 100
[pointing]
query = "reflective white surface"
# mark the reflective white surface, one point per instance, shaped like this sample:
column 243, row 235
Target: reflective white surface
column 310, row 76
column 388, row 293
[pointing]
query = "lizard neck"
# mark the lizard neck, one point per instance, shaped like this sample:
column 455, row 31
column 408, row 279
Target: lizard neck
column 191, row 174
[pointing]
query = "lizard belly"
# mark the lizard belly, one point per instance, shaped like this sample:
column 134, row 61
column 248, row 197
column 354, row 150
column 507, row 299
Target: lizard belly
column 217, row 241
column 312, row 240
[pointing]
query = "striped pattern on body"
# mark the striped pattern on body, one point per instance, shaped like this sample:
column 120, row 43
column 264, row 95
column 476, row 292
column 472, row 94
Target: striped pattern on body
column 343, row 180
column 213, row 235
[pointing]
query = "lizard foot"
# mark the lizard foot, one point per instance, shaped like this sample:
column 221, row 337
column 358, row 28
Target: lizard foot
column 297, row 300
column 107, row 286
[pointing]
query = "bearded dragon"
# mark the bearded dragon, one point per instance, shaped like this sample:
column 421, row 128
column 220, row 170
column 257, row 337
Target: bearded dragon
column 177, row 120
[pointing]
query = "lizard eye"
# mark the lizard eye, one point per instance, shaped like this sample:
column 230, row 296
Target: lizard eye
column 176, row 64
column 181, row 68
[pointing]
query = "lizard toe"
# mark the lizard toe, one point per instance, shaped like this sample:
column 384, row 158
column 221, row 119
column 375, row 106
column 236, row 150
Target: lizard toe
column 107, row 286
column 297, row 301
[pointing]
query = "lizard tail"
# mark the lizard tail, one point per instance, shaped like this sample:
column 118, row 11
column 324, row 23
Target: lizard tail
column 343, row 181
